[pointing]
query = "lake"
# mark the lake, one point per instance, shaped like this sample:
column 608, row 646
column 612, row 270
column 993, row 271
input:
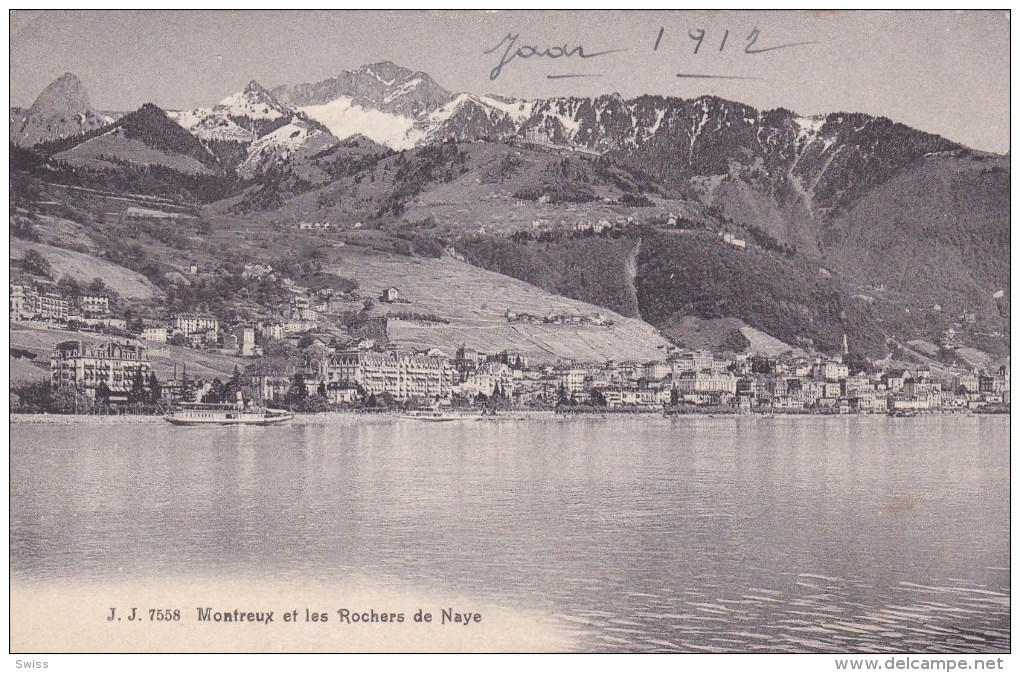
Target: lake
column 691, row 534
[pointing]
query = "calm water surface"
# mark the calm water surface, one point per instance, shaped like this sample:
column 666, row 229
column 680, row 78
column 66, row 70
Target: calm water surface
column 690, row 534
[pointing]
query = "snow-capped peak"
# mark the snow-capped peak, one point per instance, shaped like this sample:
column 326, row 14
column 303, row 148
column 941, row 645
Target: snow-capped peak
column 254, row 102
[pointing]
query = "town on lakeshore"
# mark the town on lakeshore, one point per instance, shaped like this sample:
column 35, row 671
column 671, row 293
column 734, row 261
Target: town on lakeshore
column 330, row 372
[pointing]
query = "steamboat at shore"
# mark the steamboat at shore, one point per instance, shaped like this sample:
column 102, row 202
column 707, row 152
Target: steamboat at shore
column 198, row 413
column 439, row 415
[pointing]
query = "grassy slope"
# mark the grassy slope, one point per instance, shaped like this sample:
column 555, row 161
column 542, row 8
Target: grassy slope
column 115, row 145
column 84, row 268
column 593, row 270
column 480, row 197
column 475, row 300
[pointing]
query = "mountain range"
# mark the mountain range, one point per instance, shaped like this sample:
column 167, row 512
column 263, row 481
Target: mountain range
column 860, row 199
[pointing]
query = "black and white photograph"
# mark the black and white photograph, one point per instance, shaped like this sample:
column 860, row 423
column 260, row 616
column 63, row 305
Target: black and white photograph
column 515, row 331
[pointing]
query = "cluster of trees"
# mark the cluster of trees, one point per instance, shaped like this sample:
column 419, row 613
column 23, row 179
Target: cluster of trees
column 593, row 401
column 73, row 290
column 695, row 275
column 507, row 167
column 41, row 397
column 300, row 398
column 34, row 263
column 636, row 201
column 558, row 192
column 556, row 235
column 419, row 317
column 51, row 147
column 339, row 166
column 22, row 227
column 416, row 170
column 131, row 255
column 769, row 242
column 150, row 125
column 590, row 269
column 220, row 391
column 154, row 179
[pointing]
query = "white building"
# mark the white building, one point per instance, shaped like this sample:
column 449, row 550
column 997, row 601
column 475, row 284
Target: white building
column 155, row 334
column 189, row 324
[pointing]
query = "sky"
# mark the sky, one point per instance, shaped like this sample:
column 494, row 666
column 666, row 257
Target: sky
column 943, row 72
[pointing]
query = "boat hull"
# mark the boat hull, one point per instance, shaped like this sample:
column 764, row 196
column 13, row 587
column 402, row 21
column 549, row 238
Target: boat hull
column 438, row 417
column 263, row 421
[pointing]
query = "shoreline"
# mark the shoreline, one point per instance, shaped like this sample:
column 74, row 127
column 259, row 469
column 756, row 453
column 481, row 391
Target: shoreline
column 328, row 417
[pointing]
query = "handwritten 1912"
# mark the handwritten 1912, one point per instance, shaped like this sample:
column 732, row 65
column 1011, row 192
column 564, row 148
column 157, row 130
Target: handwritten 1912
column 699, row 36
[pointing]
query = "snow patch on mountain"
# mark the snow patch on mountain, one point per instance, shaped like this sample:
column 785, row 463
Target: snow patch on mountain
column 808, row 127
column 517, row 110
column 242, row 104
column 207, row 125
column 659, row 115
column 402, row 90
column 344, row 119
column 297, row 137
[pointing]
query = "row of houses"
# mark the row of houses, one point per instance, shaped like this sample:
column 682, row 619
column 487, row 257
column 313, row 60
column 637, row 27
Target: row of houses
column 596, row 318
column 39, row 302
column 695, row 378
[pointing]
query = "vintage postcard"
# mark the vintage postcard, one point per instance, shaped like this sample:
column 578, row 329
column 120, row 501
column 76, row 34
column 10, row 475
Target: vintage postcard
column 510, row 331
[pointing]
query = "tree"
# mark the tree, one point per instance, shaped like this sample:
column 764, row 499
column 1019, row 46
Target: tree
column 138, row 392
column 187, row 387
column 155, row 390
column 35, row 396
column 36, row 264
column 857, row 363
column 215, row 393
column 561, row 395
column 598, row 399
column 321, row 391
column 762, row 365
column 298, row 390
column 97, row 286
column 67, row 400
column 233, row 386
column 103, row 393
column 179, row 340
column 674, row 396
column 69, row 287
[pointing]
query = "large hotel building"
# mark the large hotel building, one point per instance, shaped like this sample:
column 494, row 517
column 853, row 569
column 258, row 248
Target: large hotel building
column 85, row 366
column 401, row 374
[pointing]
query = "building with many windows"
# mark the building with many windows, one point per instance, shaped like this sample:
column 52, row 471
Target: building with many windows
column 24, row 300
column 706, row 386
column 187, row 324
column 52, row 306
column 401, row 374
column 28, row 303
column 155, row 334
column 94, row 305
column 85, row 366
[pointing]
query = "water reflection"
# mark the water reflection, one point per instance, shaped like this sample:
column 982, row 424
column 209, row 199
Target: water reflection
column 692, row 534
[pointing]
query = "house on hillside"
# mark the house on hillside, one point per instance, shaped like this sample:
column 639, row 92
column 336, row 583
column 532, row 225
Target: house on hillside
column 390, row 295
column 93, row 305
column 155, row 334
